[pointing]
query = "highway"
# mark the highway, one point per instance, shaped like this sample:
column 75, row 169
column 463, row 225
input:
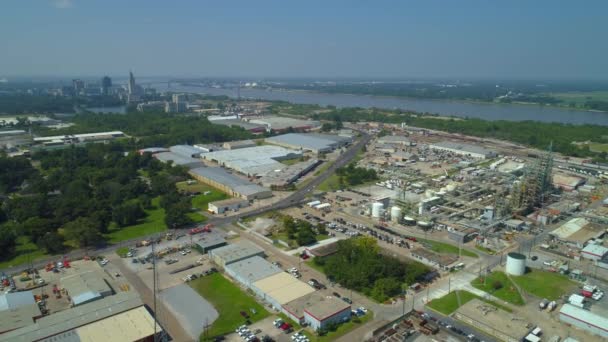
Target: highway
column 293, row 199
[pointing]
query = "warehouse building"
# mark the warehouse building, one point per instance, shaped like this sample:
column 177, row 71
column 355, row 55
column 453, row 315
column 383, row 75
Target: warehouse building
column 236, row 252
column 233, row 145
column 329, row 310
column 280, row 289
column 152, row 150
column 316, row 143
column 289, row 174
column 231, row 204
column 78, row 138
column 472, row 151
column 567, row 182
column 210, row 241
column 395, row 140
column 441, row 261
column 229, row 183
column 253, row 161
column 186, row 151
column 281, row 124
column 121, row 317
column 251, row 127
column 14, row 138
column 594, row 252
column 17, row 309
column 178, row 159
column 584, row 319
column 250, row 270
column 86, row 287
column 577, row 232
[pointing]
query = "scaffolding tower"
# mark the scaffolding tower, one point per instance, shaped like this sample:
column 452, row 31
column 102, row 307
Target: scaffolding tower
column 530, row 192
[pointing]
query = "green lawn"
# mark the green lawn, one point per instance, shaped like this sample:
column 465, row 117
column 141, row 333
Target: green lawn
column 449, row 303
column 229, row 301
column 441, row 247
column 153, row 223
column 485, row 250
column 194, row 187
column 26, row 251
column 201, row 201
column 122, row 251
column 543, row 284
column 597, row 147
column 506, row 292
column 197, row 217
column 332, row 183
column 581, row 97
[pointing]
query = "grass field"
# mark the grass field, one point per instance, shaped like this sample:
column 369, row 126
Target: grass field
column 485, row 250
column 26, row 251
column 201, row 201
column 598, row 147
column 332, row 183
column 441, row 247
column 449, row 303
column 153, row 223
column 543, row 284
column 229, row 301
column 506, row 292
column 122, row 251
column 579, row 98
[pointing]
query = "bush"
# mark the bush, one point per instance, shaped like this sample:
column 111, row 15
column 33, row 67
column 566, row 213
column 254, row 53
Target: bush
column 497, row 285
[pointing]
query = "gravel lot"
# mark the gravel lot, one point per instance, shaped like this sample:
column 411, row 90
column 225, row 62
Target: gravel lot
column 190, row 309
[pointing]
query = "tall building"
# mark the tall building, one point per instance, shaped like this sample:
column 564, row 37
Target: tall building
column 131, row 83
column 78, row 86
column 106, row 84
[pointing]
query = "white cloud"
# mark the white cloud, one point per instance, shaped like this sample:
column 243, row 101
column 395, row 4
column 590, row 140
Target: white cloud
column 62, row 3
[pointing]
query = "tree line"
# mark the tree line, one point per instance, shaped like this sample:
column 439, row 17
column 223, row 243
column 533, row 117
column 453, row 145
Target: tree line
column 76, row 194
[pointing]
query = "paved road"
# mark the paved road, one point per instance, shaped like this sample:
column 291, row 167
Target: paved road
column 293, row 199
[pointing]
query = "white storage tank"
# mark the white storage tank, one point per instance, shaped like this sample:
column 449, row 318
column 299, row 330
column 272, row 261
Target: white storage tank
column 377, row 208
column 395, row 214
column 516, row 264
column 409, row 221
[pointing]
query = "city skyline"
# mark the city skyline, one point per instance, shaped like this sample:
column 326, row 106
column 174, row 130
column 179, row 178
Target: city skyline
column 409, row 40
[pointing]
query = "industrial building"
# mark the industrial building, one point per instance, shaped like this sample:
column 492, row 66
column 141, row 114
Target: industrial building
column 328, row 310
column 121, row 317
column 462, row 234
column 289, row 174
column 186, row 151
column 178, row 159
column 280, row 289
column 442, row 261
column 14, row 138
column 251, row 127
column 567, row 182
column 316, row 143
column 236, row 252
column 395, row 140
column 594, row 252
column 253, row 161
column 78, row 138
column 86, row 287
column 472, row 151
column 281, row 124
column 17, row 309
column 233, row 145
column 229, row 183
column 584, row 319
column 152, row 150
column 210, row 241
column 250, row 270
column 231, row 204
column 577, row 232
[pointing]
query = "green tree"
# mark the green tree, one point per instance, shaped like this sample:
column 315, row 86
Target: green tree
column 83, row 231
column 8, row 241
column 52, row 242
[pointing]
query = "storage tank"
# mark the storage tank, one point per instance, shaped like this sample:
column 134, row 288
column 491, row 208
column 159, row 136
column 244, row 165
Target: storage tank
column 424, row 224
column 516, row 264
column 377, row 208
column 395, row 214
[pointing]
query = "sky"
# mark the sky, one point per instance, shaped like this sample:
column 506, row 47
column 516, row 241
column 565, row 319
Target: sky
column 519, row 39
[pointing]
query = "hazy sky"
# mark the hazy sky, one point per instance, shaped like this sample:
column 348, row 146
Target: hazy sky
column 506, row 39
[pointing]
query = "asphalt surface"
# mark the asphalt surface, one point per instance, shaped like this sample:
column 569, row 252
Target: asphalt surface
column 293, row 199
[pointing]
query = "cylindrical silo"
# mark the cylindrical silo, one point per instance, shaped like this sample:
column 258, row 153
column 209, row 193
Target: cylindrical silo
column 516, row 264
column 395, row 214
column 377, row 209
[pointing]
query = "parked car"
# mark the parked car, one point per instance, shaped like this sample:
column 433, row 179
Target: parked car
column 534, row 258
column 346, row 299
column 336, row 294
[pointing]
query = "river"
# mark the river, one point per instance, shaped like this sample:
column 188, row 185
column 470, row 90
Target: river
column 489, row 111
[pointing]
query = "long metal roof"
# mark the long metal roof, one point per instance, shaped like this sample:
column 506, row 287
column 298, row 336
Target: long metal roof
column 219, row 175
column 585, row 316
column 304, row 141
column 253, row 269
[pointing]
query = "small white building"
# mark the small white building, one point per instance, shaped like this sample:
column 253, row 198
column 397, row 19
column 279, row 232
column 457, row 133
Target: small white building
column 321, row 314
column 231, row 204
column 594, row 252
